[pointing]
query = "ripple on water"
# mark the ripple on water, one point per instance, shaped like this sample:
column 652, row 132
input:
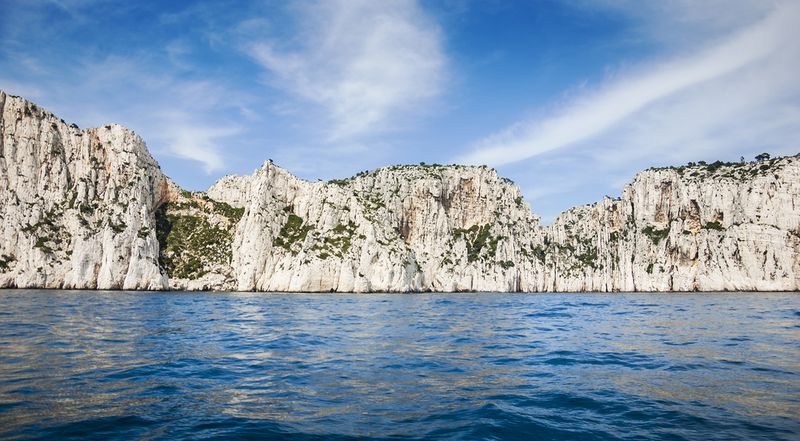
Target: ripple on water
column 122, row 365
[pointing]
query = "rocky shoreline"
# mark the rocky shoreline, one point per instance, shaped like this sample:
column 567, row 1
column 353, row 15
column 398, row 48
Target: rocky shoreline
column 91, row 209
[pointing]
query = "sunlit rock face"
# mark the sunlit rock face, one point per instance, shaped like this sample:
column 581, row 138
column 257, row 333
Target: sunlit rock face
column 706, row 228
column 91, row 209
column 453, row 228
column 401, row 228
column 76, row 206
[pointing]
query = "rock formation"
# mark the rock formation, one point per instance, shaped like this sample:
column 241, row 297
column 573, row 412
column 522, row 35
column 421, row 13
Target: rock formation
column 717, row 227
column 76, row 206
column 91, row 209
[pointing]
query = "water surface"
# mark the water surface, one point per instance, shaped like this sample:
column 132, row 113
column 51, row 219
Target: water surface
column 133, row 365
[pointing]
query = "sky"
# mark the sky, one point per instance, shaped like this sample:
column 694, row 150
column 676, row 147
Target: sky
column 568, row 98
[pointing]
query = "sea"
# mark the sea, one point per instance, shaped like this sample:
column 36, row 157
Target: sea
column 87, row 365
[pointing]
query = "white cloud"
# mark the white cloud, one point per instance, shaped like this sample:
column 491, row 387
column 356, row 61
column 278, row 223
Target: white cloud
column 684, row 21
column 744, row 85
column 196, row 142
column 181, row 110
column 175, row 116
column 366, row 63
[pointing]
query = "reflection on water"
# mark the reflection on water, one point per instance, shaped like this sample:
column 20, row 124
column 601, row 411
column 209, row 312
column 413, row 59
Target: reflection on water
column 554, row 366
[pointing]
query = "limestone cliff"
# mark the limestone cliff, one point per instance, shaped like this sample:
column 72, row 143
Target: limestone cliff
column 706, row 227
column 400, row 228
column 76, row 206
column 91, row 209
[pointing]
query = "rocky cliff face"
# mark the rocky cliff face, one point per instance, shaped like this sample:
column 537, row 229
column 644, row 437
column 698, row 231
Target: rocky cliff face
column 76, row 206
column 708, row 228
column 91, row 209
column 401, row 228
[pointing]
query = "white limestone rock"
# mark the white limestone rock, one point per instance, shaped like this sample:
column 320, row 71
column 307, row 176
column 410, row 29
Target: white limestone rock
column 91, row 209
column 733, row 227
column 400, row 228
column 75, row 205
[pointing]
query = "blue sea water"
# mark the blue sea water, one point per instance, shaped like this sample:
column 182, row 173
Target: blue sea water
column 134, row 365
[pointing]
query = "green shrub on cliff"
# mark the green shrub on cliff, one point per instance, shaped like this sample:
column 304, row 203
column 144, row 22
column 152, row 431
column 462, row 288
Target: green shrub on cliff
column 477, row 239
column 293, row 231
column 656, row 235
column 188, row 244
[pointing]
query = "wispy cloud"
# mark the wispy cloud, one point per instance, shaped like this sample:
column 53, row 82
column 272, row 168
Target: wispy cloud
column 342, row 71
column 180, row 112
column 683, row 21
column 196, row 141
column 760, row 61
column 175, row 116
column 366, row 63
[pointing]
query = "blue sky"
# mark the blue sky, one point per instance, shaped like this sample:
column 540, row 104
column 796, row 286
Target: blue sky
column 567, row 98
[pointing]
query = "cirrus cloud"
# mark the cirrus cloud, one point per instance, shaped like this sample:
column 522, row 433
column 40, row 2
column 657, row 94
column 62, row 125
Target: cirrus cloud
column 758, row 55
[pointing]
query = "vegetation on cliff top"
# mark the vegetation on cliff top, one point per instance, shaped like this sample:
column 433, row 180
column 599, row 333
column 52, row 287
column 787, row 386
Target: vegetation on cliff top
column 762, row 165
column 429, row 169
